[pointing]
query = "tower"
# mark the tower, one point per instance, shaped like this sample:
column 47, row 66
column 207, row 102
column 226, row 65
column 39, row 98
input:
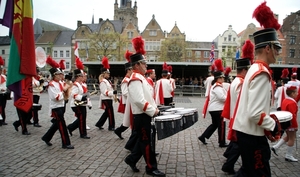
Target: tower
column 126, row 12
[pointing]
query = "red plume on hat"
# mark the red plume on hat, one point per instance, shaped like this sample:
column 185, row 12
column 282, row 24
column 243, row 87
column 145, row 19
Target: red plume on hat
column 79, row 64
column 52, row 62
column 213, row 67
column 138, row 44
column 294, row 69
column 105, row 62
column 165, row 66
column 62, row 64
column 1, row 61
column 285, row 73
column 248, row 50
column 218, row 65
column 170, row 68
column 227, row 71
column 127, row 55
column 265, row 16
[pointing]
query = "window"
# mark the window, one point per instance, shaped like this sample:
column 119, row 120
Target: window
column 198, row 60
column 153, row 33
column 129, row 34
column 48, row 50
column 3, row 52
column 188, row 53
column 61, row 53
column 234, row 39
column 292, row 53
column 229, row 37
column 206, row 54
column 67, row 53
column 293, row 40
column 197, row 54
column 67, row 65
column 106, row 30
column 225, row 38
column 188, row 60
column 55, row 54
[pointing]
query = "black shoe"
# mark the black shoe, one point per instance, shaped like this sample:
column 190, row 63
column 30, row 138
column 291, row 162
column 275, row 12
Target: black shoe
column 274, row 150
column 4, row 123
column 230, row 172
column 132, row 165
column 68, row 147
column 100, row 127
column 156, row 154
column 16, row 127
column 47, row 142
column 111, row 129
column 202, row 139
column 156, row 173
column 37, row 125
column 223, row 145
column 118, row 134
column 70, row 132
column 85, row 137
column 29, row 123
column 26, row 133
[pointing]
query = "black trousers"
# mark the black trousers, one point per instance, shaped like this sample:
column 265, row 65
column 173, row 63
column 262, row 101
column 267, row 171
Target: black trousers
column 132, row 140
column 168, row 101
column 80, row 122
column 3, row 101
column 23, row 119
column 255, row 153
column 217, row 123
column 35, row 115
column 232, row 154
column 58, row 123
column 143, row 146
column 108, row 113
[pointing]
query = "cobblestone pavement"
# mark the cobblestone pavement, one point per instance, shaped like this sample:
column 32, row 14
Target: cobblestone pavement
column 103, row 155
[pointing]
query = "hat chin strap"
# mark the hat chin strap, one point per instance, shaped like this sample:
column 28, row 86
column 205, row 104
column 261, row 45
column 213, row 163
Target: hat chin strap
column 273, row 52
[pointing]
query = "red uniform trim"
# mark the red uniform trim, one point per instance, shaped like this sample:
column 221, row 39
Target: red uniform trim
column 262, row 116
column 145, row 106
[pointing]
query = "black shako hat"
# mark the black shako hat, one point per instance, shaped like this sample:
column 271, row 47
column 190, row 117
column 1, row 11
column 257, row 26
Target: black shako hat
column 266, row 37
column 243, row 63
column 128, row 66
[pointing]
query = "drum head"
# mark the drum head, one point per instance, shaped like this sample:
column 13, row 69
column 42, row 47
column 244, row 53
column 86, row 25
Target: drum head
column 174, row 109
column 283, row 116
column 167, row 113
column 168, row 117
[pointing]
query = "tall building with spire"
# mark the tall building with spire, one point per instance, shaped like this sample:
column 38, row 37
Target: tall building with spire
column 126, row 13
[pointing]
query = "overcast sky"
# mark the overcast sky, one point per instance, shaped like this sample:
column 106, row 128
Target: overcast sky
column 200, row 20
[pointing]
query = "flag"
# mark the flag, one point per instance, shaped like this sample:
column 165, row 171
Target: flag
column 21, row 64
column 76, row 51
column 237, row 53
column 212, row 52
column 7, row 19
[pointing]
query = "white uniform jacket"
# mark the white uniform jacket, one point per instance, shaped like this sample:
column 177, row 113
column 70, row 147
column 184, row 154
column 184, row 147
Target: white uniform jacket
column 124, row 89
column 3, row 83
column 207, row 84
column 106, row 91
column 36, row 86
column 279, row 94
column 217, row 97
column 253, row 106
column 77, row 92
column 140, row 96
column 163, row 89
column 55, row 92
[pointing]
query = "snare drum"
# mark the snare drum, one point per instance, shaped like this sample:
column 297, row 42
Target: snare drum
column 284, row 118
column 187, row 118
column 167, row 125
column 163, row 108
column 167, row 113
column 174, row 109
column 36, row 106
column 196, row 115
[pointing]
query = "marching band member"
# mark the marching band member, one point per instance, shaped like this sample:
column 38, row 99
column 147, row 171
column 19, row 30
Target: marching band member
column 151, row 76
column 3, row 92
column 143, row 110
column 78, row 100
column 122, row 106
column 163, row 88
column 56, row 97
column 170, row 70
column 280, row 93
column 252, row 120
column 289, row 104
column 106, row 97
column 217, row 99
column 37, row 88
column 89, row 102
column 232, row 152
